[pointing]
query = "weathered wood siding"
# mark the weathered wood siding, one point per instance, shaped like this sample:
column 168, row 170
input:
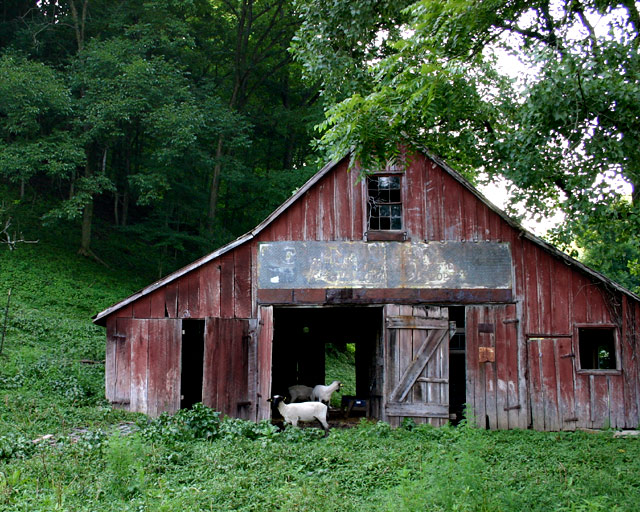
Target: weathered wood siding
column 496, row 367
column 143, row 364
column 529, row 383
column 226, row 366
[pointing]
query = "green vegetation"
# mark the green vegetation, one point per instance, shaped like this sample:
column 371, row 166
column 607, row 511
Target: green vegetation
column 542, row 93
column 148, row 133
column 89, row 457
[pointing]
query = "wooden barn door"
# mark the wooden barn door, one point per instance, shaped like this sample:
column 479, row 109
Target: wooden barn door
column 227, row 347
column 261, row 383
column 553, row 382
column 146, row 376
column 496, row 364
column 416, row 364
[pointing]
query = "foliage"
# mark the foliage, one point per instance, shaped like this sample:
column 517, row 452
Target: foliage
column 101, row 459
column 340, row 365
column 179, row 124
column 563, row 134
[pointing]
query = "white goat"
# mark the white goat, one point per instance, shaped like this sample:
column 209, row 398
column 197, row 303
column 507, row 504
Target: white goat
column 304, row 411
column 322, row 393
column 300, row 391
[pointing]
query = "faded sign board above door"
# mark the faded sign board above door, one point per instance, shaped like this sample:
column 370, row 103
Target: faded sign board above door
column 452, row 265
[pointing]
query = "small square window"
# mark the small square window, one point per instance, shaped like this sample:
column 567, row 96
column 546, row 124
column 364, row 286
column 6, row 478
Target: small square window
column 597, row 348
column 384, row 207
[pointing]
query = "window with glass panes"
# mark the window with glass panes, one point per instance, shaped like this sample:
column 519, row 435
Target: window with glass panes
column 385, row 203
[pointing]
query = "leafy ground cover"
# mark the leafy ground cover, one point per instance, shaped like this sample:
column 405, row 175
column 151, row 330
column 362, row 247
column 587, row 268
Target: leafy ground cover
column 195, row 460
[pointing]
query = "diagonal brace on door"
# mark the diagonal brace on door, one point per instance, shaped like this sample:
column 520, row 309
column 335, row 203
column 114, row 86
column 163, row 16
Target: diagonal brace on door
column 413, row 371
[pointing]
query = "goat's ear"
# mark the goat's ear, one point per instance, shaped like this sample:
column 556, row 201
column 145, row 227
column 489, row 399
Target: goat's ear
column 269, row 400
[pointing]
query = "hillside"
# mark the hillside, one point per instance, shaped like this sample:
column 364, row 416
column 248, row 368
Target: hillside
column 60, row 446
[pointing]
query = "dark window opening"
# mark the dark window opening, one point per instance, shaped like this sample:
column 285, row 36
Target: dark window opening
column 384, row 208
column 597, row 348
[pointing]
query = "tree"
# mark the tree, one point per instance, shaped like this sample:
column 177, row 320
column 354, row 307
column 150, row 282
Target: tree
column 182, row 123
column 35, row 106
column 561, row 135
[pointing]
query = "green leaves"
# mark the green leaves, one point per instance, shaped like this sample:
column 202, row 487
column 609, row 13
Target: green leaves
column 558, row 135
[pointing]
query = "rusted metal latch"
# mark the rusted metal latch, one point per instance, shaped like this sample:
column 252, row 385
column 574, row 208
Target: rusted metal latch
column 486, row 355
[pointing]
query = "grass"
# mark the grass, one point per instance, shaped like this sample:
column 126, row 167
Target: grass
column 197, row 461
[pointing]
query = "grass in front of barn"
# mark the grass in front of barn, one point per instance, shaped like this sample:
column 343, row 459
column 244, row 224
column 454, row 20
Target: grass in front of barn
column 196, row 461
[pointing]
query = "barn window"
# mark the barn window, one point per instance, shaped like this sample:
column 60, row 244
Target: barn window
column 597, row 348
column 384, row 209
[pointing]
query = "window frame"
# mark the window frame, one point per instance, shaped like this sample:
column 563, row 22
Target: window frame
column 616, row 347
column 385, row 234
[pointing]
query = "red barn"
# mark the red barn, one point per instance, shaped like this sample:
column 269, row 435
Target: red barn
column 446, row 300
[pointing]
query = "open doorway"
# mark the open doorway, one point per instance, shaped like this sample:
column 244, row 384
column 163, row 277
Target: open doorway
column 457, row 365
column 192, row 363
column 316, row 345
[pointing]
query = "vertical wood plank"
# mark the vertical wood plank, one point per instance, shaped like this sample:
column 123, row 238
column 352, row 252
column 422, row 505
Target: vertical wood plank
column 264, row 351
column 391, row 361
column 227, row 293
column 544, row 292
column 193, row 283
column 475, row 377
column 560, row 300
column 210, row 289
column 157, row 303
column 566, row 382
column 412, row 199
column 599, row 387
column 532, row 298
column 583, row 401
column 242, row 281
column 311, row 215
column 174, row 365
column 157, row 358
column 504, row 360
column 549, row 384
column 327, row 202
column 296, row 220
column 110, row 362
column 431, row 212
column 209, row 397
column 171, row 299
column 616, row 401
column 183, row 297
column 535, row 383
column 139, row 365
column 359, row 206
column 471, row 222
column 124, row 312
column 142, row 307
column 124, row 332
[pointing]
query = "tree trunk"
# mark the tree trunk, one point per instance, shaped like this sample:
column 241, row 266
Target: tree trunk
column 87, row 221
column 116, row 216
column 125, row 206
column 213, row 191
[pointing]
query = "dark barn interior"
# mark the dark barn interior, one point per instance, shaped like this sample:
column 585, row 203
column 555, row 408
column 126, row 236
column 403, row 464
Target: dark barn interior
column 299, row 339
column 191, row 373
column 301, row 333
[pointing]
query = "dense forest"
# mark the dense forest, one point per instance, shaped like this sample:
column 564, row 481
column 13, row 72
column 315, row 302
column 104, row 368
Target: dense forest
column 174, row 126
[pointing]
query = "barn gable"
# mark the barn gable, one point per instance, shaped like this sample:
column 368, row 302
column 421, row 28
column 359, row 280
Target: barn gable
column 421, row 244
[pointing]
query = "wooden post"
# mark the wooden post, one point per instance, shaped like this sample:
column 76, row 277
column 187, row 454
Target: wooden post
column 6, row 315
